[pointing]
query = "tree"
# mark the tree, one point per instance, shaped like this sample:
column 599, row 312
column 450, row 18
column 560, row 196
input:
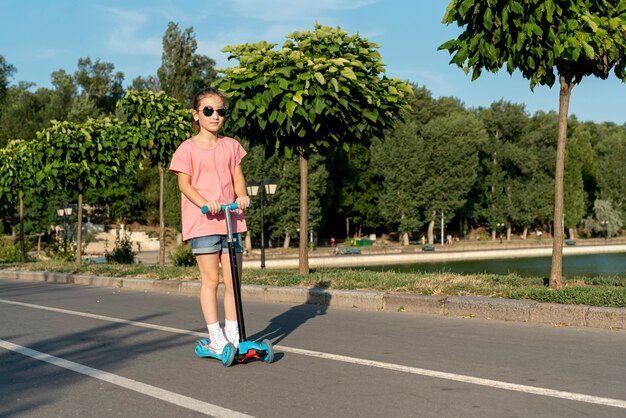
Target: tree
column 78, row 157
column 182, row 71
column 100, row 83
column 159, row 125
column 322, row 89
column 6, row 72
column 503, row 160
column 611, row 175
column 538, row 37
column 18, row 180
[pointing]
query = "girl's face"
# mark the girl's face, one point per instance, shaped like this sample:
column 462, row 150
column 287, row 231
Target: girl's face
column 210, row 113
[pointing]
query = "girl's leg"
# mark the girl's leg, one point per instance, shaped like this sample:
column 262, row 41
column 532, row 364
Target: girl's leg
column 209, row 276
column 230, row 311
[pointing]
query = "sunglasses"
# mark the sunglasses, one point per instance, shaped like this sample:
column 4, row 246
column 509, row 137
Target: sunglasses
column 208, row 111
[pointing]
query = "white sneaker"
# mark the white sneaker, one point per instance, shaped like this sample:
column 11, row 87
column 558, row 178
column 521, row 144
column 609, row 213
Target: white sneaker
column 217, row 341
column 232, row 335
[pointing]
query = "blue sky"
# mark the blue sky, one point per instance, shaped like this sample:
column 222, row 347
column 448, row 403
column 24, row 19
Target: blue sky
column 39, row 37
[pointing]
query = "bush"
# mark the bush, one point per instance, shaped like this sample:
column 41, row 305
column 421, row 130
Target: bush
column 182, row 256
column 9, row 250
column 122, row 252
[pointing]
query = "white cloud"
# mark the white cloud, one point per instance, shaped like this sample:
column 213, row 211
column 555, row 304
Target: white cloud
column 124, row 36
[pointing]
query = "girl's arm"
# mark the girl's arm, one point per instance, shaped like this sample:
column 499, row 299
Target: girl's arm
column 184, row 184
column 240, row 188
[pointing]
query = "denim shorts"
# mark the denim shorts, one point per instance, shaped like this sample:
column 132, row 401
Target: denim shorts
column 211, row 244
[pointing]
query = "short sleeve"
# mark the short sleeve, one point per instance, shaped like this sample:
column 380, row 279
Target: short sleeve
column 181, row 161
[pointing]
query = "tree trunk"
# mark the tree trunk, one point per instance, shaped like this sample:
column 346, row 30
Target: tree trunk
column 556, row 272
column 161, row 217
column 22, row 246
column 405, row 238
column 248, row 242
column 572, row 233
column 287, row 240
column 347, row 228
column 525, row 233
column 304, row 215
column 431, row 235
column 79, row 230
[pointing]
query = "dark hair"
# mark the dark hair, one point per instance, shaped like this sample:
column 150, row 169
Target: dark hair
column 207, row 91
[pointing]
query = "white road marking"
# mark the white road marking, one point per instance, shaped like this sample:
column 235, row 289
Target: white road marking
column 143, row 388
column 617, row 403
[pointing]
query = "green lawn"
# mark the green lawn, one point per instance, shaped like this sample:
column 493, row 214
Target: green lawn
column 608, row 291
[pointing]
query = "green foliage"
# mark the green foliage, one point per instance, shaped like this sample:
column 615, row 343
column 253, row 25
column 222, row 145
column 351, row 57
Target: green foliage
column 9, row 250
column 321, row 89
column 427, row 166
column 77, row 157
column 182, row 256
column 19, row 177
column 182, row 71
column 578, row 38
column 100, row 84
column 159, row 124
column 122, row 252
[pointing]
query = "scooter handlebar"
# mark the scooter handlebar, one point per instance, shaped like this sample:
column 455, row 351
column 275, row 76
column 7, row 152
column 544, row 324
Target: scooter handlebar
column 231, row 206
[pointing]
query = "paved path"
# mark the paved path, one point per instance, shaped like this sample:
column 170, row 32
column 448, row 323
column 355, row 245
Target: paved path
column 77, row 351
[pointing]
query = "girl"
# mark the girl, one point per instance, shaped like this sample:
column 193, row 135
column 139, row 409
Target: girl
column 209, row 172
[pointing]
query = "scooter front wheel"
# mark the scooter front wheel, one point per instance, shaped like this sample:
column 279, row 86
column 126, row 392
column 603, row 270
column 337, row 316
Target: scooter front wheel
column 269, row 351
column 228, row 354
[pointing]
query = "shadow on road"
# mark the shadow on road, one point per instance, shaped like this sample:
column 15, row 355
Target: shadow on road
column 284, row 324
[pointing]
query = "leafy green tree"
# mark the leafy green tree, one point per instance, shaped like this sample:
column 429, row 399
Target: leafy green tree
column 322, row 89
column 579, row 153
column 182, row 71
column 502, row 160
column 100, row 83
column 18, row 179
column 77, row 157
column 538, row 38
column 159, row 124
column 611, row 175
column 356, row 187
column 401, row 159
column 607, row 219
column 6, row 73
column 451, row 152
column 146, row 83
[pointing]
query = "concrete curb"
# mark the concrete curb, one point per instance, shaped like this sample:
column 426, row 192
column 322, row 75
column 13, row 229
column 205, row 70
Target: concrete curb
column 457, row 306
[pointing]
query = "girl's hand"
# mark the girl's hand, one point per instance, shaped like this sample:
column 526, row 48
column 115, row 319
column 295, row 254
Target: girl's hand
column 214, row 206
column 243, row 202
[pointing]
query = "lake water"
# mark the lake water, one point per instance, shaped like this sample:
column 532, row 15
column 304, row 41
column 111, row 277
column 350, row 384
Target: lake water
column 573, row 265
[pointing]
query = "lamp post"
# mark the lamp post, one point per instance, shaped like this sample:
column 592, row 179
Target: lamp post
column 501, row 229
column 605, row 225
column 253, row 189
column 64, row 212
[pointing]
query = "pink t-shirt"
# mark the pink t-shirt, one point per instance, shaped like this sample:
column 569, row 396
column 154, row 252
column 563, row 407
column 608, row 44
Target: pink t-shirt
column 211, row 171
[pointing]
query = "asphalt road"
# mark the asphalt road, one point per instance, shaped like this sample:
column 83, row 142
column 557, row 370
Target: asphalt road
column 76, row 351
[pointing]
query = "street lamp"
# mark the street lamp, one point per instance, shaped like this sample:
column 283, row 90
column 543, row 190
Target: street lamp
column 253, row 189
column 64, row 212
column 501, row 228
column 605, row 225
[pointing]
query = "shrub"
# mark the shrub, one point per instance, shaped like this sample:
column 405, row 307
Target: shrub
column 182, row 256
column 9, row 250
column 122, row 252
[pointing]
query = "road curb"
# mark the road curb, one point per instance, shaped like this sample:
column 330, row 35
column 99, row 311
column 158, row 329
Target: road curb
column 454, row 306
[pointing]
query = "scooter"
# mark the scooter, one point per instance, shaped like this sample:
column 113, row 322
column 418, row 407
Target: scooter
column 247, row 349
